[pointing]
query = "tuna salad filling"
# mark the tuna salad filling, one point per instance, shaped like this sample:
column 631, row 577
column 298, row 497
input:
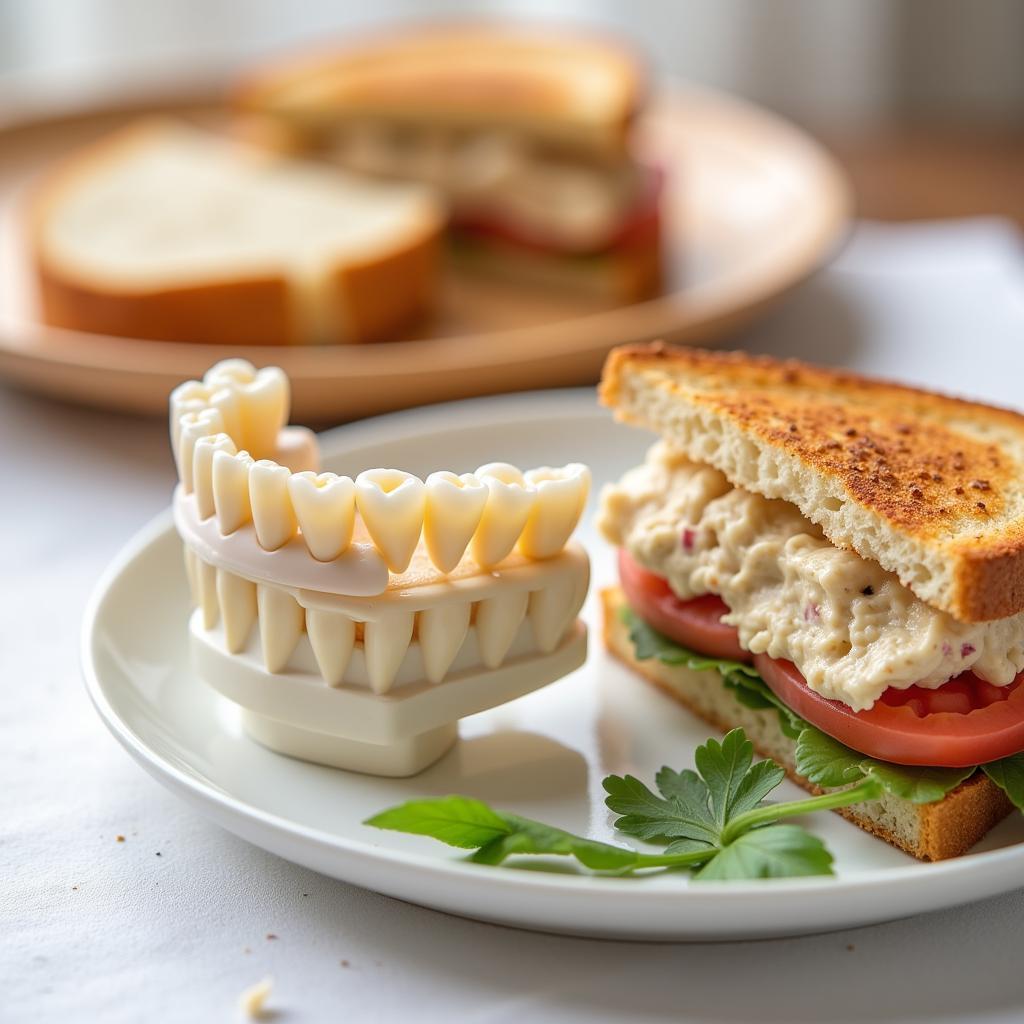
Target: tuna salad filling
column 850, row 627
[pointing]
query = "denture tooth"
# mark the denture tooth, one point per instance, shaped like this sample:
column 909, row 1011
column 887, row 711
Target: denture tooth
column 263, row 402
column 266, row 403
column 191, row 397
column 325, row 507
column 234, row 371
column 497, row 622
column 581, row 586
column 281, row 620
column 272, row 512
column 505, row 513
column 202, row 469
column 332, row 637
column 192, row 574
column 385, row 644
column 550, row 612
column 206, row 578
column 454, row 505
column 561, row 496
column 392, row 504
column 503, row 471
column 231, row 490
column 442, row 630
column 194, row 425
column 237, row 597
column 226, row 401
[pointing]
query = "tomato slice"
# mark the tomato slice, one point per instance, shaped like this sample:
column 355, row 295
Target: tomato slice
column 639, row 222
column 694, row 624
column 958, row 725
column 966, row 721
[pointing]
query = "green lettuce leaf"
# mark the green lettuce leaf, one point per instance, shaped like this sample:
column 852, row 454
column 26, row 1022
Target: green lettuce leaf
column 743, row 680
column 1008, row 775
column 828, row 763
column 649, row 643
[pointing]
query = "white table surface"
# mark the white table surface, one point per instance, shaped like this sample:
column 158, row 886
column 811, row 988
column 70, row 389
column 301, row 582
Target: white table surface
column 174, row 922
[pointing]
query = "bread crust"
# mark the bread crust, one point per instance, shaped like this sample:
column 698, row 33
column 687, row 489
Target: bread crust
column 936, row 831
column 432, row 72
column 365, row 292
column 372, row 297
column 245, row 312
column 930, row 486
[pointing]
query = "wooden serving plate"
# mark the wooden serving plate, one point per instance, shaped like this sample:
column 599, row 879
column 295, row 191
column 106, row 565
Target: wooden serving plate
column 752, row 206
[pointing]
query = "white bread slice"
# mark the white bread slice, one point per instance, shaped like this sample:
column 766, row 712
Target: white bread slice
column 930, row 487
column 936, row 831
column 168, row 232
column 566, row 88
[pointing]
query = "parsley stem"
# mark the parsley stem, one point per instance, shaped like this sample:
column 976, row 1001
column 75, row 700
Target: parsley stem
column 866, row 790
column 668, row 860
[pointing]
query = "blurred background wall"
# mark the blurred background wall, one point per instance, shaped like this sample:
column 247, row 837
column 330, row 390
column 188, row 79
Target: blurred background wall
column 829, row 64
column 922, row 100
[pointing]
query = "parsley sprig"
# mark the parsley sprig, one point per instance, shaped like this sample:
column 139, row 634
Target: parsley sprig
column 713, row 821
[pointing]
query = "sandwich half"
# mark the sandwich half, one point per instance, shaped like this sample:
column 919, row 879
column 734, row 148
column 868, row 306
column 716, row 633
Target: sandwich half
column 167, row 232
column 525, row 132
column 833, row 563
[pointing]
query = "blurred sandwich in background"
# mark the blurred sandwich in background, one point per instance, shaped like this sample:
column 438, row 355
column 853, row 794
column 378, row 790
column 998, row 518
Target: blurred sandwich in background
column 526, row 133
column 318, row 214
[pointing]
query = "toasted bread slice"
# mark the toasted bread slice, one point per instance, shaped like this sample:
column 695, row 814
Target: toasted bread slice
column 930, row 487
column 936, row 831
column 163, row 231
column 566, row 88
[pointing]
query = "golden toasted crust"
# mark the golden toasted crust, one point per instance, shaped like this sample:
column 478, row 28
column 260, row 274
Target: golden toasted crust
column 930, row 486
column 936, row 831
column 568, row 86
column 373, row 298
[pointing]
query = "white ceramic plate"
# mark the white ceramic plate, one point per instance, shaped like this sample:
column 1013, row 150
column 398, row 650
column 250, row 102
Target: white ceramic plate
column 543, row 755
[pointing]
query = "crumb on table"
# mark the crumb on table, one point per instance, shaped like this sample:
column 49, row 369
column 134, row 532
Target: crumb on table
column 253, row 1000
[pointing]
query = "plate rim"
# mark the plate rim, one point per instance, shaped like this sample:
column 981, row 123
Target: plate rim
column 566, row 403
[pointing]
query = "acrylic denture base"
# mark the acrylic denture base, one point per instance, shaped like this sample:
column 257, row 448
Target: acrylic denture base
column 351, row 727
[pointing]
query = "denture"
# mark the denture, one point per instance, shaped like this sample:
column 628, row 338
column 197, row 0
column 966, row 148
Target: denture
column 355, row 619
